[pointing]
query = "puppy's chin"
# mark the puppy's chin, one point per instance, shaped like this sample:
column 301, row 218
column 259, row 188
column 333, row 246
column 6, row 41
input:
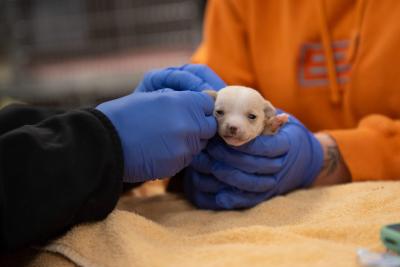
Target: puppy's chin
column 235, row 141
column 239, row 139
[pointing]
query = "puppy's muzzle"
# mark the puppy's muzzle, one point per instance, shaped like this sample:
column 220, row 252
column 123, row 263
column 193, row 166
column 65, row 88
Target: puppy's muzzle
column 233, row 130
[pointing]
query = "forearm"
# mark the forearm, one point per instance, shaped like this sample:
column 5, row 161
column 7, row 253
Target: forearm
column 334, row 170
column 64, row 170
column 16, row 115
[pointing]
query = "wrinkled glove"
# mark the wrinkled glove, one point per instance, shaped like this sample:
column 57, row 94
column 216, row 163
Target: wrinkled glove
column 189, row 77
column 160, row 131
column 224, row 177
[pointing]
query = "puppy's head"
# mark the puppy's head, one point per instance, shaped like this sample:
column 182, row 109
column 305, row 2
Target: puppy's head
column 241, row 113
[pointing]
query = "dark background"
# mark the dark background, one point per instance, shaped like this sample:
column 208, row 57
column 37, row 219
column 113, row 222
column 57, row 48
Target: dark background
column 81, row 52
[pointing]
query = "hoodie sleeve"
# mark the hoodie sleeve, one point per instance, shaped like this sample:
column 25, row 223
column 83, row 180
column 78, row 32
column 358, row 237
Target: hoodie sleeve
column 372, row 150
column 57, row 169
column 224, row 40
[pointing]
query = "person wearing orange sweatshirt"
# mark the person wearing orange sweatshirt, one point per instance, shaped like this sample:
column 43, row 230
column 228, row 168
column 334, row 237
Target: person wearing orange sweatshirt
column 334, row 65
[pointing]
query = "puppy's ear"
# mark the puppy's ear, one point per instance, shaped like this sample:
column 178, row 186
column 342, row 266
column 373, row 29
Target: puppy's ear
column 269, row 110
column 211, row 93
column 273, row 122
column 269, row 120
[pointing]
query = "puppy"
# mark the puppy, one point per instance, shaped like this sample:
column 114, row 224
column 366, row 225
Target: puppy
column 243, row 114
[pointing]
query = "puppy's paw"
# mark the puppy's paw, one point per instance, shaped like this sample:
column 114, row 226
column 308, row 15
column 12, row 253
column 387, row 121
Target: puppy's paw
column 275, row 123
column 281, row 119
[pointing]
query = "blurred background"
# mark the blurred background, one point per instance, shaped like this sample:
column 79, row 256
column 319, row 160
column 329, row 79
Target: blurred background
column 81, row 52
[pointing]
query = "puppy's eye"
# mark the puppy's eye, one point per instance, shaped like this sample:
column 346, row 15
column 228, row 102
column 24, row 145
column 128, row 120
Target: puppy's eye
column 220, row 112
column 252, row 116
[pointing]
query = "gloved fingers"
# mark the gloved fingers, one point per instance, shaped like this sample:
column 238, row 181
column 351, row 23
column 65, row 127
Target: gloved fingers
column 200, row 106
column 147, row 85
column 179, row 80
column 206, row 183
column 202, row 163
column 208, row 127
column 202, row 100
column 200, row 199
column 192, row 77
column 203, row 143
column 205, row 73
column 174, row 78
column 241, row 180
column 164, row 90
column 232, row 198
column 267, row 145
column 205, row 200
column 245, row 162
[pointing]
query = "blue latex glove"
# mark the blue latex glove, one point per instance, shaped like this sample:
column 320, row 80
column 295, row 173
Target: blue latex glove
column 160, row 131
column 224, row 177
column 192, row 77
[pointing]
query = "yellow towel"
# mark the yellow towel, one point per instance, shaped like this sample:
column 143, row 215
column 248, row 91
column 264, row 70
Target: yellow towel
column 318, row 227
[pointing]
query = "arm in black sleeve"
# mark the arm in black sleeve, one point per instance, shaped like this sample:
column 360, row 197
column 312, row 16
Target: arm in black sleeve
column 57, row 169
column 17, row 115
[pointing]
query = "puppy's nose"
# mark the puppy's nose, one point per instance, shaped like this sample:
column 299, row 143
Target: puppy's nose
column 233, row 130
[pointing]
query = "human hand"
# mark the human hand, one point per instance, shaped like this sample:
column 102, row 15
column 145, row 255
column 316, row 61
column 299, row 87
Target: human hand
column 160, row 131
column 191, row 77
column 224, row 177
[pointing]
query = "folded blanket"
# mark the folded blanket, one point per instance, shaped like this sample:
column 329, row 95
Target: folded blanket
column 318, row 227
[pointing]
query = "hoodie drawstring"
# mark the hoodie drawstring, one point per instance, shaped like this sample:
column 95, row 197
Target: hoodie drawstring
column 329, row 57
column 327, row 45
column 355, row 38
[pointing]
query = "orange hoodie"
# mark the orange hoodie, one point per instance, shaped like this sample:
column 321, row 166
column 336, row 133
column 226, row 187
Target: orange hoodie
column 334, row 64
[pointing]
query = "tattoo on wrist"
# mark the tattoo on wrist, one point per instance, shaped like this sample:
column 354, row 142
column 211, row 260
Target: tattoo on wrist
column 332, row 159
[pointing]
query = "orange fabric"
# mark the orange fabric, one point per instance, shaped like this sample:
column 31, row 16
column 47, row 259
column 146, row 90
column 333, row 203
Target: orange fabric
column 276, row 47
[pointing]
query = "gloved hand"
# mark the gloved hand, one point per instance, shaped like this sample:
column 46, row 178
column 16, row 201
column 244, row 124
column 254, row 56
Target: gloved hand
column 160, row 131
column 192, row 77
column 224, row 177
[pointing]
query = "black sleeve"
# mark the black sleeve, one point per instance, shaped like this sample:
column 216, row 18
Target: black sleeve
column 57, row 169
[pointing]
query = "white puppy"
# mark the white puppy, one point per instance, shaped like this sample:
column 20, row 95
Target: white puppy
column 243, row 114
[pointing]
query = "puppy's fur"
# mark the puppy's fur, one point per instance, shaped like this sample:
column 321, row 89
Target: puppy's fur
column 243, row 114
